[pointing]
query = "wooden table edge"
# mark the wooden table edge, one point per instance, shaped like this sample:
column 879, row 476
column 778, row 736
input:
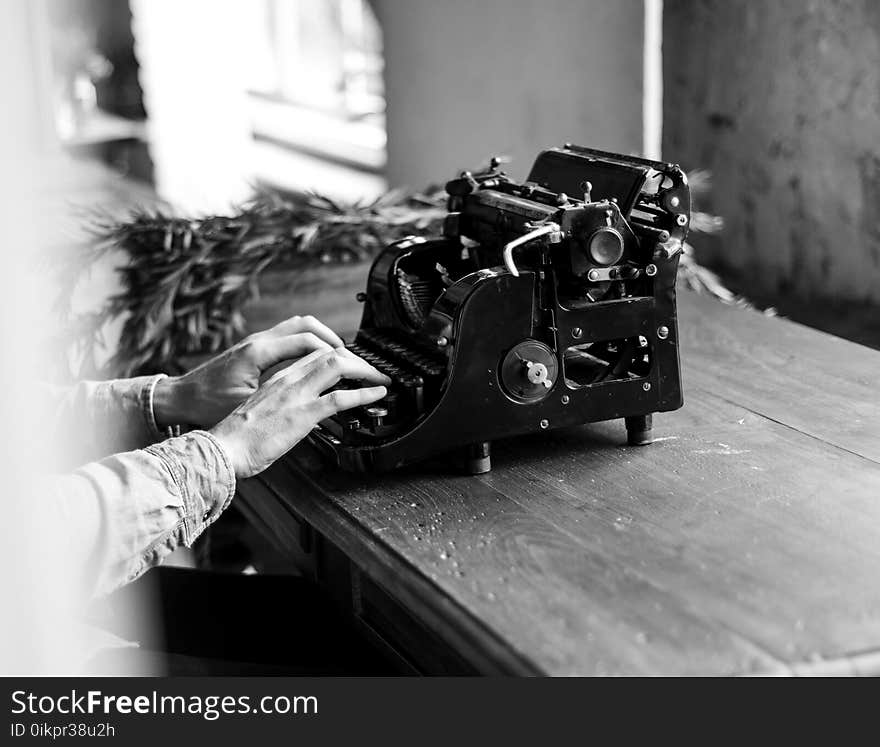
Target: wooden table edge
column 428, row 602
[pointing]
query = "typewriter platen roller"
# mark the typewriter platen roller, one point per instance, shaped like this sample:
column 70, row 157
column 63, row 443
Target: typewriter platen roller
column 544, row 304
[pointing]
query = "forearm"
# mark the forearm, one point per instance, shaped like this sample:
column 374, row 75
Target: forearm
column 124, row 514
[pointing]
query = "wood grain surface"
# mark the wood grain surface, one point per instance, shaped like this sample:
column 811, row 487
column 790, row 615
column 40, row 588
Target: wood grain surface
column 746, row 539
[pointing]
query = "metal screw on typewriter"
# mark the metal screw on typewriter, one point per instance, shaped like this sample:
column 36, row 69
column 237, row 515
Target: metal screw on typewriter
column 534, row 310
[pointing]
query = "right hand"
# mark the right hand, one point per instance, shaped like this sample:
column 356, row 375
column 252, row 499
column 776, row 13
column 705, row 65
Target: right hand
column 288, row 405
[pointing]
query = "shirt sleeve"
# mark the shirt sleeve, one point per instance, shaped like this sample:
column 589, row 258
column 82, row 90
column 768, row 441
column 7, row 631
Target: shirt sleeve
column 123, row 514
column 94, row 419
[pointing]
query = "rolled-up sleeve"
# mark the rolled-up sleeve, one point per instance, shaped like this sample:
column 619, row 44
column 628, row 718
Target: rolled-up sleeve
column 126, row 512
column 95, row 418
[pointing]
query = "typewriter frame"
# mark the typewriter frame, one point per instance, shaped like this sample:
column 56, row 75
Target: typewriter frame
column 487, row 313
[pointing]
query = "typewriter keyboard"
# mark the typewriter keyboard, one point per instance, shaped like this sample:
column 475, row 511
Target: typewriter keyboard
column 417, row 375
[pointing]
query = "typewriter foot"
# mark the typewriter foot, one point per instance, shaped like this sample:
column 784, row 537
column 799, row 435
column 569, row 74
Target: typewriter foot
column 478, row 458
column 639, row 430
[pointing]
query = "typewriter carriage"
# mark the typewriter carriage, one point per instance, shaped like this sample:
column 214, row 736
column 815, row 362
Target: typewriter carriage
column 545, row 304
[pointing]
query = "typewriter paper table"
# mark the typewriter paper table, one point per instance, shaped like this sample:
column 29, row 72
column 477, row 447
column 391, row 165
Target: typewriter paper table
column 746, row 539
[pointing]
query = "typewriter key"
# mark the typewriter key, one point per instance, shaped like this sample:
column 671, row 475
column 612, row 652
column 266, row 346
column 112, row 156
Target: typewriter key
column 377, row 416
column 414, row 388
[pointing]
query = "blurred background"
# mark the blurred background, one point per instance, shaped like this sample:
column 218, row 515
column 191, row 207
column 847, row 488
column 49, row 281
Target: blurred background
column 113, row 103
column 196, row 101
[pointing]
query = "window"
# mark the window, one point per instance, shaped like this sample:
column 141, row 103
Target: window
column 316, row 83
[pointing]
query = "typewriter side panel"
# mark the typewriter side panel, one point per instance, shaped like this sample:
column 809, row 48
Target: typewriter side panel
column 484, row 315
column 653, row 318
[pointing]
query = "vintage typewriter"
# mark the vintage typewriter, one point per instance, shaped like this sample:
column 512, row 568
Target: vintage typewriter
column 544, row 304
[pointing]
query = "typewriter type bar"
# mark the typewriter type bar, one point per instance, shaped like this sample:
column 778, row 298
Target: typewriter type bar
column 545, row 303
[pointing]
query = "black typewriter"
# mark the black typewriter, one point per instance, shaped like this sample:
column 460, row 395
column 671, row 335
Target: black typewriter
column 545, row 303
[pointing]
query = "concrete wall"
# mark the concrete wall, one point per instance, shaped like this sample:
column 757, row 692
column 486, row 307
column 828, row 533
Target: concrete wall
column 781, row 100
column 467, row 79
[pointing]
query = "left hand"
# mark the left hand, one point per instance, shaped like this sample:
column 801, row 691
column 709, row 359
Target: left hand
column 207, row 394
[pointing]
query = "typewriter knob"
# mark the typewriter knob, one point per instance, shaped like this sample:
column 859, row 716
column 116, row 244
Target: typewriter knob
column 606, row 246
column 537, row 373
column 528, row 371
column 588, row 191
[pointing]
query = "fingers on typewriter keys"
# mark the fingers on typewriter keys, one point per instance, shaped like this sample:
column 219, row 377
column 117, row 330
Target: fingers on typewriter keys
column 327, row 371
column 340, row 400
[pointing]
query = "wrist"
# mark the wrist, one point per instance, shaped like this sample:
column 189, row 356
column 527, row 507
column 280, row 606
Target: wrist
column 167, row 403
column 224, row 434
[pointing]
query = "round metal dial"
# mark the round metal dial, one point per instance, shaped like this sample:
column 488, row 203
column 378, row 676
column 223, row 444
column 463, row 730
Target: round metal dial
column 528, row 371
column 606, row 246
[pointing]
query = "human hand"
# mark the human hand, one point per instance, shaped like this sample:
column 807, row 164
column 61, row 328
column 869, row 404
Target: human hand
column 287, row 406
column 208, row 393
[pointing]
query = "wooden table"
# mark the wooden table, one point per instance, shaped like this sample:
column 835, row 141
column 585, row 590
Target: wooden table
column 746, row 539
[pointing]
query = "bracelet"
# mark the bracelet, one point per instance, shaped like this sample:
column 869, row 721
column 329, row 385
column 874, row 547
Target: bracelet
column 169, row 431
